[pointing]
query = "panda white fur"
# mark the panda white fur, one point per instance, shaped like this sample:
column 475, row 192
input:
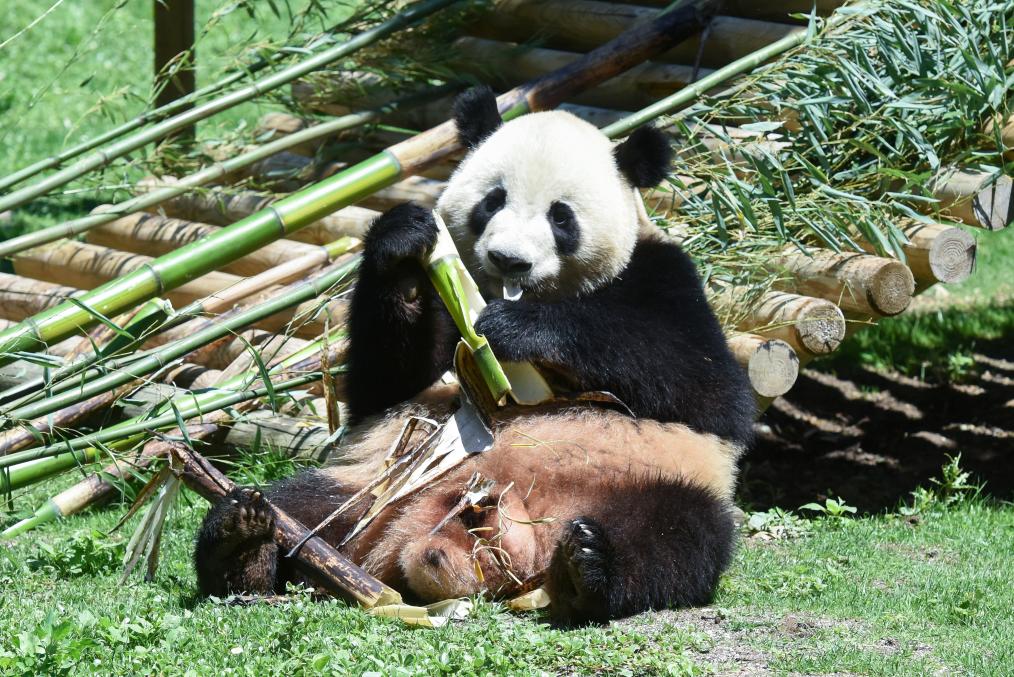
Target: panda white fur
column 616, row 512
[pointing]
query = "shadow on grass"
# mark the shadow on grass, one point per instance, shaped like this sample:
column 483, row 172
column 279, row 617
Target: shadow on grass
column 882, row 416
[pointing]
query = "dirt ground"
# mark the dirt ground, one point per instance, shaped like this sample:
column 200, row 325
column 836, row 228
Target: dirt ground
column 872, row 437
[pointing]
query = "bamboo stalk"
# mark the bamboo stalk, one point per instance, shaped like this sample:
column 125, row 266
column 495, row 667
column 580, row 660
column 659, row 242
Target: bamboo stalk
column 124, row 373
column 220, row 207
column 858, row 283
column 580, row 25
column 410, row 15
column 87, row 266
column 771, row 364
column 300, row 209
column 936, row 252
column 154, row 235
column 980, row 199
column 315, row 557
column 808, row 325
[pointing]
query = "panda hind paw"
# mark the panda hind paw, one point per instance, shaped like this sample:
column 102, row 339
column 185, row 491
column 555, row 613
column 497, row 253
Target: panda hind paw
column 242, row 515
column 579, row 576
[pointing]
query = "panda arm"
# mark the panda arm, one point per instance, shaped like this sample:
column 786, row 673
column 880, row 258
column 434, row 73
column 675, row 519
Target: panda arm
column 401, row 337
column 649, row 337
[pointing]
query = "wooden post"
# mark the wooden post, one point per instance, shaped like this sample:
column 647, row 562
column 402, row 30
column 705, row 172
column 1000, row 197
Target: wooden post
column 771, row 364
column 972, row 198
column 174, row 41
column 809, row 325
column 858, row 283
column 937, row 252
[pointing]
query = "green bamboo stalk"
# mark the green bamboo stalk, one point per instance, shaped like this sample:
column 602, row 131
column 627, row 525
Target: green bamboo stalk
column 144, row 118
column 409, row 16
column 694, row 91
column 187, row 405
column 93, row 383
column 209, row 174
column 302, row 208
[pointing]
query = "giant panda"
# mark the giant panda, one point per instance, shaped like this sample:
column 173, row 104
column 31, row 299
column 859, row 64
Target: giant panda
column 615, row 510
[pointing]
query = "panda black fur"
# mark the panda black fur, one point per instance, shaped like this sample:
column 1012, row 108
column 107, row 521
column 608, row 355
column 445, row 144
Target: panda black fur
column 638, row 507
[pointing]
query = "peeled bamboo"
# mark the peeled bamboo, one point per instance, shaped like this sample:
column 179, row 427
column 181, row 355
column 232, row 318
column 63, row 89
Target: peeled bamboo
column 154, row 235
column 937, row 252
column 408, row 16
column 22, row 297
column 808, row 325
column 87, row 266
column 974, row 198
column 579, row 25
column 299, row 210
column 858, row 283
column 771, row 364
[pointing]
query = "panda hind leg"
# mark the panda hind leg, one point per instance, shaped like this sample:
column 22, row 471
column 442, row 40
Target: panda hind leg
column 652, row 544
column 235, row 551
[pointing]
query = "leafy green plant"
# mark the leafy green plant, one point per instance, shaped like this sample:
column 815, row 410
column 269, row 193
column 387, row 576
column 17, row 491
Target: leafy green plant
column 775, row 524
column 833, row 507
column 85, row 554
column 954, row 486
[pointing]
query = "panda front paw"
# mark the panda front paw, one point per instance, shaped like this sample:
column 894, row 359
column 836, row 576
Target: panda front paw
column 241, row 516
column 580, row 575
column 405, row 232
column 512, row 329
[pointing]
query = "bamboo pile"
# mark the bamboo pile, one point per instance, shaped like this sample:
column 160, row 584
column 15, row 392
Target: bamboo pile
column 258, row 275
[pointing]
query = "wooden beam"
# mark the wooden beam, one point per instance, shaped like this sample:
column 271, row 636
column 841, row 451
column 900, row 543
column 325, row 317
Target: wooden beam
column 936, row 252
column 810, row 325
column 771, row 365
column 975, row 198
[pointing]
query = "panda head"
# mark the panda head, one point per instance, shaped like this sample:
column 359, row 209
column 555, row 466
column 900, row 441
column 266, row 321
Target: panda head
column 545, row 203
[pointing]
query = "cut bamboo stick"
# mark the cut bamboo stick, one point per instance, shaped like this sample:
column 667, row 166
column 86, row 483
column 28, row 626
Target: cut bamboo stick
column 859, row 283
column 771, row 364
column 580, row 25
column 936, row 252
column 808, row 324
column 87, row 266
column 154, row 235
column 22, row 297
column 974, row 198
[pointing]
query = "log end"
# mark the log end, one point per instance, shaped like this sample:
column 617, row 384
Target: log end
column 771, row 364
column 820, row 328
column 992, row 206
column 952, row 255
column 891, row 288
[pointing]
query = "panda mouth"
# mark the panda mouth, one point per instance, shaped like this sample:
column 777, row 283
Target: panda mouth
column 512, row 291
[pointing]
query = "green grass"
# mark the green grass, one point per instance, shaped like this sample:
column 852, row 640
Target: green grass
column 874, row 595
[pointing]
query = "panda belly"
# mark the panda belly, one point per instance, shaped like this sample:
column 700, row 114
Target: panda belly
column 548, row 469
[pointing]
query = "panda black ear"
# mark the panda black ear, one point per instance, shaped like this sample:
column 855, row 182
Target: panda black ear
column 476, row 115
column 644, row 158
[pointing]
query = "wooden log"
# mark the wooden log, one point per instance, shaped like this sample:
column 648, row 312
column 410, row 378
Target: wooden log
column 512, row 65
column 859, row 283
column 937, row 252
column 580, row 25
column 22, row 297
column 808, row 325
column 771, row 364
column 973, row 197
column 1006, row 134
column 87, row 266
column 315, row 557
column 154, row 235
column 222, row 207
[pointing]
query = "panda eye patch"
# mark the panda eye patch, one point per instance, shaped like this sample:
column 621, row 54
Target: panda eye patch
column 565, row 229
column 486, row 209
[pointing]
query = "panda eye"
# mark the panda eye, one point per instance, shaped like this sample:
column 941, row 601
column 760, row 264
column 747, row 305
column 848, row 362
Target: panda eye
column 494, row 200
column 560, row 215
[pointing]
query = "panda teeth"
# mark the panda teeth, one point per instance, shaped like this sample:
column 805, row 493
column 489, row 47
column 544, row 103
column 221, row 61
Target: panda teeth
column 512, row 292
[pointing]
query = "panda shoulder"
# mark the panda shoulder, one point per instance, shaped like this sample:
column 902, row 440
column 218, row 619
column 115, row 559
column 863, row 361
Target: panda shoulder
column 658, row 259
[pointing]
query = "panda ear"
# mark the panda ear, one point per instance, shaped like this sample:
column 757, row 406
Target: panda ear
column 644, row 158
column 476, row 115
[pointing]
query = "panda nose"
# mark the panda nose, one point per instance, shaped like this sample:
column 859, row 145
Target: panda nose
column 509, row 264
